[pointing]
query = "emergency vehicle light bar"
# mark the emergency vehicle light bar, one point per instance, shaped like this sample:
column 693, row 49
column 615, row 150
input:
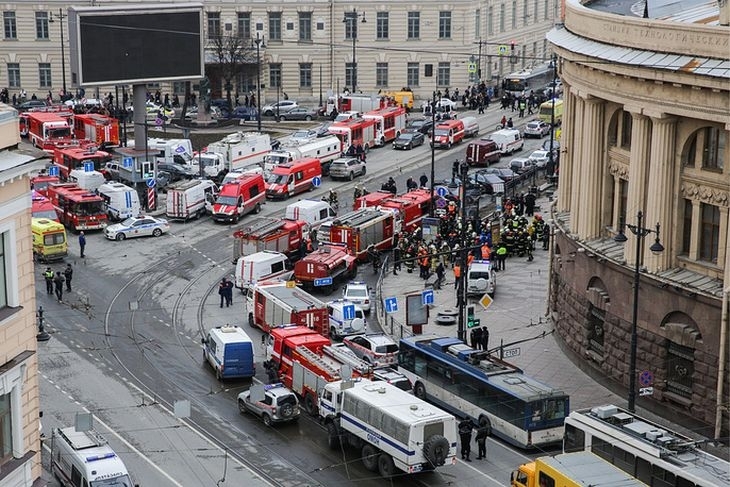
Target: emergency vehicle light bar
column 94, row 458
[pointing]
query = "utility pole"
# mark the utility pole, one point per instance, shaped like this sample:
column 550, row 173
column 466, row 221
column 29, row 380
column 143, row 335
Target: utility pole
column 433, row 153
column 479, row 62
column 463, row 251
column 551, row 163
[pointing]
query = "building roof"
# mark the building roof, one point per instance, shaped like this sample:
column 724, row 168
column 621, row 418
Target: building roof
column 19, row 163
column 691, row 11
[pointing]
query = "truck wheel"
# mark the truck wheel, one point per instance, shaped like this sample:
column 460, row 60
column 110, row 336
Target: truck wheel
column 419, row 391
column 436, row 449
column 333, row 334
column 310, row 405
column 241, row 407
column 250, row 320
column 257, row 208
column 267, row 419
column 333, row 436
column 386, row 467
column 370, row 457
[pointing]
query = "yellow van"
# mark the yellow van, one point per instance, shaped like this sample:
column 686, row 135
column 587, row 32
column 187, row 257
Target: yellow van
column 401, row 98
column 49, row 240
column 546, row 109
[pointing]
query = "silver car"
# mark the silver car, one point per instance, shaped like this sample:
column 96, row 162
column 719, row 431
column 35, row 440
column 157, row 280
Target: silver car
column 273, row 403
column 347, row 168
column 536, row 128
column 141, row 226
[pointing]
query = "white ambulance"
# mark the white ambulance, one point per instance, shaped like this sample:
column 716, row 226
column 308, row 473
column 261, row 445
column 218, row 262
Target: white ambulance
column 84, row 458
column 190, row 199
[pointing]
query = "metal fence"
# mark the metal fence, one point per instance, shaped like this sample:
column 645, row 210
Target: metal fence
column 388, row 323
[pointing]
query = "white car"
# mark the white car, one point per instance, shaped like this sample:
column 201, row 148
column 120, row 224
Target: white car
column 303, row 135
column 283, row 106
column 447, row 103
column 539, row 158
column 140, row 226
column 359, row 293
column 378, row 349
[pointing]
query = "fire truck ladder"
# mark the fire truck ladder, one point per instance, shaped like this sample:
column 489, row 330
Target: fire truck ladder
column 346, row 358
column 263, row 226
column 317, row 360
column 357, row 217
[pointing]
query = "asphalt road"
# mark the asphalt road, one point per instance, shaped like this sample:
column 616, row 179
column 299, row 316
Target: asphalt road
column 126, row 347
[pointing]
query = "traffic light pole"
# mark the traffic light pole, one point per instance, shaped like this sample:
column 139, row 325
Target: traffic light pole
column 464, row 251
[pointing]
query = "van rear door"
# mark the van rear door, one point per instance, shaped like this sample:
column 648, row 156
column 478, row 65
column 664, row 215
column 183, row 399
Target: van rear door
column 238, row 360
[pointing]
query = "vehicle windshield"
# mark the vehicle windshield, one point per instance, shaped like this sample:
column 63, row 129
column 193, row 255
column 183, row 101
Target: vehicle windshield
column 276, row 160
column 357, row 293
column 277, row 179
column 128, row 222
column 59, row 132
column 301, row 134
column 207, row 161
column 442, row 132
column 88, row 208
column 121, row 481
column 50, row 214
column 227, row 200
column 405, row 136
column 417, row 124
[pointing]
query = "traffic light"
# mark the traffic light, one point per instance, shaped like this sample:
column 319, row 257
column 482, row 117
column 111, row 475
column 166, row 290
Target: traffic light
column 512, row 46
column 470, row 317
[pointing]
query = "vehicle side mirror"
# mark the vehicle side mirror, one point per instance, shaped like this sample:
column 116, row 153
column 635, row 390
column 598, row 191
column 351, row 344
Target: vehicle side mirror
column 203, row 341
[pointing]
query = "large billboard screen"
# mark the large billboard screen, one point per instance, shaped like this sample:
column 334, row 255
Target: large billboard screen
column 137, row 44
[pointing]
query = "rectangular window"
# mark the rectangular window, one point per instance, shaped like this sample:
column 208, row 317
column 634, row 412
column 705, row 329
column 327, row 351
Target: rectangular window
column 305, row 75
column 525, row 15
column 535, row 11
column 713, row 151
column 44, row 75
column 3, row 275
column 305, row 27
column 41, row 25
column 502, row 13
column 350, row 25
column 274, row 26
column 443, row 78
column 244, row 25
column 709, row 232
column 6, row 428
column 414, row 25
column 412, row 74
column 514, row 14
column 275, row 75
column 626, row 123
column 687, row 227
column 214, row 25
column 381, row 74
column 14, row 75
column 382, row 25
column 11, row 29
column 478, row 24
column 546, row 14
column 490, row 21
column 624, row 199
column 349, row 74
column 444, row 25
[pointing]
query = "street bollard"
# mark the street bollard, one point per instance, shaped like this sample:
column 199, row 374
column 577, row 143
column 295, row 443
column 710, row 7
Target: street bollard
column 42, row 336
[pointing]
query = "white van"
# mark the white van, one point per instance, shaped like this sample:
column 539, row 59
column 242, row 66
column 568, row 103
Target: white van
column 85, row 458
column 313, row 212
column 239, row 173
column 260, row 267
column 480, row 279
column 471, row 126
column 90, row 180
column 229, row 351
column 190, row 199
column 508, row 140
column 120, row 201
column 341, row 326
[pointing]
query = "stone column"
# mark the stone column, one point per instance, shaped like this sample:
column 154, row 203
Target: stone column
column 638, row 168
column 660, row 206
column 590, row 186
column 566, row 146
column 576, row 163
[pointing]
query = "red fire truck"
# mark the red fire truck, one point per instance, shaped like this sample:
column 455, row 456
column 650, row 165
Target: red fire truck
column 40, row 183
column 389, row 123
column 100, row 129
column 285, row 236
column 76, row 207
column 305, row 361
column 354, row 132
column 324, row 267
column 41, row 207
column 69, row 158
column 361, row 228
column 47, row 130
column 371, row 199
column 411, row 207
column 276, row 303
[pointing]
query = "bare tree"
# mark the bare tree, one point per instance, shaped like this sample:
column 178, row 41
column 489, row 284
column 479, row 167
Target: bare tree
column 231, row 53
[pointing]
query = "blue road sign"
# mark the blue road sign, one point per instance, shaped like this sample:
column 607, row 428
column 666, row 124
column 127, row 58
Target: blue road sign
column 159, row 121
column 646, row 378
column 53, row 171
column 88, row 166
column 441, row 203
column 325, row 281
column 348, row 312
column 391, row 305
column 316, row 181
column 442, row 191
column 427, row 297
column 127, row 162
column 180, row 149
column 151, row 182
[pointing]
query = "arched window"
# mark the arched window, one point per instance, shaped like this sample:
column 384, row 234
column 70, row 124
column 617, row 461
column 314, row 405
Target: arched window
column 706, row 148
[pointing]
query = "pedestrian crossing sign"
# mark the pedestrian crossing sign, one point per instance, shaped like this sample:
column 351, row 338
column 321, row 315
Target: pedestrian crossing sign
column 486, row 301
column 471, row 68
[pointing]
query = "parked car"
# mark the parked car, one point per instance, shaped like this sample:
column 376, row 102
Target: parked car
column 485, row 182
column 359, row 293
column 141, row 226
column 556, row 145
column 377, row 349
column 540, row 158
column 283, row 106
column 536, row 128
column 423, row 125
column 408, row 140
column 303, row 135
column 273, row 403
column 30, row 104
column 299, row 113
column 392, row 376
column 504, row 173
column 347, row 168
column 521, row 165
column 177, row 171
column 247, row 114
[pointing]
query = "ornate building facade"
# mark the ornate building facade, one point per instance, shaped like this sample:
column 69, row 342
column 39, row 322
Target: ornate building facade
column 646, row 129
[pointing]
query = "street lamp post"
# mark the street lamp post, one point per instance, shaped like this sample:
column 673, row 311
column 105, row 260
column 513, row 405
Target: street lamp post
column 352, row 18
column 433, row 153
column 259, row 41
column 641, row 233
column 60, row 16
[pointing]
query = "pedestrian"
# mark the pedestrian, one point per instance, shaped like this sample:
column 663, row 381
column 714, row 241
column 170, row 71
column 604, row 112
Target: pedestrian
column 465, row 430
column 58, row 281
column 222, row 290
column 48, row 276
column 82, row 243
column 477, row 342
column 473, row 338
column 423, row 180
column 396, row 260
column 440, row 271
column 481, row 437
column 68, row 273
column 229, row 293
column 545, row 236
column 454, row 169
column 501, row 257
column 457, row 275
column 485, row 339
column 530, row 203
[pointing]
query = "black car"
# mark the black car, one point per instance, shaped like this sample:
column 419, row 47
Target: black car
column 423, row 125
column 30, row 104
column 408, row 140
column 247, row 114
column 177, row 171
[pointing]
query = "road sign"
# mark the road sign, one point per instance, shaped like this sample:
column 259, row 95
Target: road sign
column 646, row 378
column 325, row 281
column 511, row 352
column 348, row 312
column 316, row 181
column 391, row 305
column 180, row 149
column 159, row 121
column 646, row 391
column 486, row 301
column 291, row 284
column 502, row 49
column 442, row 191
column 151, row 182
column 427, row 297
column 441, row 203
column 88, row 166
column 127, row 162
column 53, row 171
column 471, row 68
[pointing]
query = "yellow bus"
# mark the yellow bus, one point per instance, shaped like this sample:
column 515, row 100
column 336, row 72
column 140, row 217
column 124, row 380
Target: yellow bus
column 546, row 111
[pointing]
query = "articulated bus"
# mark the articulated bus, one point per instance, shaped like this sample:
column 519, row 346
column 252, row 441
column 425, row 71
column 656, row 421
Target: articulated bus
column 645, row 450
column 524, row 81
column 470, row 383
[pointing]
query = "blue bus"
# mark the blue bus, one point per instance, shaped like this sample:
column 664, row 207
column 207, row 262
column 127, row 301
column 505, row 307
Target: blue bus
column 470, row 383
